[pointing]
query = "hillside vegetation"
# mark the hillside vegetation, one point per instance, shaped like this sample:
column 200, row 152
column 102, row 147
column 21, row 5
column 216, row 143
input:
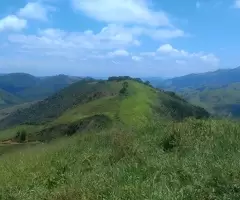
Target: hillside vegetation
column 223, row 100
column 217, row 92
column 128, row 101
column 117, row 139
column 193, row 159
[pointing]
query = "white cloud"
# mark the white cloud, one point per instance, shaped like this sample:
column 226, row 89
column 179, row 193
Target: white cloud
column 170, row 51
column 122, row 11
column 12, row 22
column 237, row 4
column 35, row 10
column 110, row 37
column 210, row 58
column 136, row 58
column 133, row 18
column 120, row 52
column 166, row 48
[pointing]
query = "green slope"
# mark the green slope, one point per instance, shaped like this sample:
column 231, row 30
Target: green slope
column 190, row 160
column 139, row 104
column 88, row 105
column 220, row 100
column 8, row 99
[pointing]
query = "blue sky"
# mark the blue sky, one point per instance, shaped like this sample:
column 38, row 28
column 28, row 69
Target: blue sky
column 162, row 38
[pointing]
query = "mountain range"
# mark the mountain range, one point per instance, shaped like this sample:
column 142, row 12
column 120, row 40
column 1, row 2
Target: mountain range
column 217, row 91
column 17, row 88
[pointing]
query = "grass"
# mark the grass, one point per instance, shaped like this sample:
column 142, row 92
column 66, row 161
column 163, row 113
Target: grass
column 11, row 132
column 7, row 111
column 189, row 160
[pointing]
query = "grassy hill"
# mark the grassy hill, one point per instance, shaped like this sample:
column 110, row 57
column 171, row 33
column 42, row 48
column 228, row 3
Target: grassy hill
column 127, row 101
column 18, row 88
column 7, row 98
column 136, row 142
column 222, row 100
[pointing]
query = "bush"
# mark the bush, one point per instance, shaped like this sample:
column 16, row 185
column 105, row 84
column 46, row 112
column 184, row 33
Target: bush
column 123, row 91
column 21, row 136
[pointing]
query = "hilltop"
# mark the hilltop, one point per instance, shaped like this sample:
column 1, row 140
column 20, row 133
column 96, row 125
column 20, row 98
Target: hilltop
column 116, row 100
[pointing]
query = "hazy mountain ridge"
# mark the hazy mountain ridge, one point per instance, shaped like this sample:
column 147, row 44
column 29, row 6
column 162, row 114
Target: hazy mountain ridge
column 217, row 91
column 18, row 88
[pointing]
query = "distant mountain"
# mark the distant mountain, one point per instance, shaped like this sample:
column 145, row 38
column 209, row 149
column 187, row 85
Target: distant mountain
column 18, row 88
column 216, row 78
column 7, row 98
column 218, row 91
column 219, row 100
column 155, row 81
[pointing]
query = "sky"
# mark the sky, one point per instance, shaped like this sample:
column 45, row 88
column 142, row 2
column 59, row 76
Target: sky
column 141, row 38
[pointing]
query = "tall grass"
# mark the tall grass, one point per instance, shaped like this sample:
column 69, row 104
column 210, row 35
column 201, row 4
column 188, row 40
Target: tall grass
column 190, row 160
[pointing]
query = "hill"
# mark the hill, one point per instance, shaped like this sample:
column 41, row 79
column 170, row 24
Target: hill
column 118, row 100
column 216, row 78
column 7, row 98
column 222, row 101
column 215, row 91
column 136, row 142
column 18, row 88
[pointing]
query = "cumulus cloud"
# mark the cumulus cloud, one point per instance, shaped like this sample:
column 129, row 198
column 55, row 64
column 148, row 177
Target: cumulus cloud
column 109, row 38
column 135, row 16
column 12, row 22
column 122, row 11
column 169, row 50
column 35, row 10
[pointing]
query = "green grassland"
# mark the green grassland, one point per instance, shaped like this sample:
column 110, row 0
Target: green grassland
column 193, row 159
column 118, row 139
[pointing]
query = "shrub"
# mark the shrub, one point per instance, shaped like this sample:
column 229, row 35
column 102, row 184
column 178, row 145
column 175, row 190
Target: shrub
column 21, row 136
